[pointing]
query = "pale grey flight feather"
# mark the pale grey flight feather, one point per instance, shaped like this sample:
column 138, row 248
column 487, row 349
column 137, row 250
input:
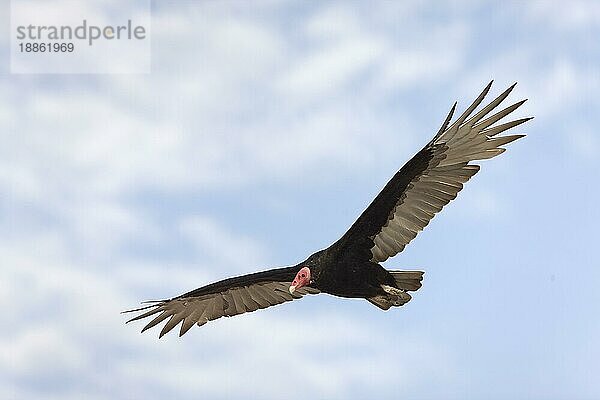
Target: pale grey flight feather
column 454, row 147
column 233, row 301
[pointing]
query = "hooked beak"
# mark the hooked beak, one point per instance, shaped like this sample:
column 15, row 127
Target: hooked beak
column 301, row 279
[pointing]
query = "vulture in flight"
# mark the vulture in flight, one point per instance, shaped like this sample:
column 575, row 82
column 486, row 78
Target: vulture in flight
column 351, row 267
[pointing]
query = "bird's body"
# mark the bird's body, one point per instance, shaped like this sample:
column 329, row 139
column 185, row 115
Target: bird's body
column 332, row 274
column 351, row 267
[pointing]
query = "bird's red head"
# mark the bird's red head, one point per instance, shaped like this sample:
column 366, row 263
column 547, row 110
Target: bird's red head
column 302, row 279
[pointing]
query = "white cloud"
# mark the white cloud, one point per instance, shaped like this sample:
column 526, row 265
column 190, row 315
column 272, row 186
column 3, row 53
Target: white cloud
column 281, row 348
column 40, row 349
column 558, row 88
column 224, row 247
column 333, row 22
column 109, row 144
column 439, row 54
column 331, row 68
column 555, row 88
column 341, row 49
column 579, row 15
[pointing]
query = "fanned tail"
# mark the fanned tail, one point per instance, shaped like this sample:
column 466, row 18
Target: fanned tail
column 408, row 280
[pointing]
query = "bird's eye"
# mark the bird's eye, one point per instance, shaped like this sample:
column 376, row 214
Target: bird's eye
column 303, row 275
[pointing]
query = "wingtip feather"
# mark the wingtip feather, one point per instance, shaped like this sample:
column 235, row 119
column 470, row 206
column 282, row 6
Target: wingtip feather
column 485, row 91
column 162, row 333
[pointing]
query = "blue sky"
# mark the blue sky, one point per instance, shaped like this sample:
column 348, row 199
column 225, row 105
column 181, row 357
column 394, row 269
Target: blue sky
column 260, row 135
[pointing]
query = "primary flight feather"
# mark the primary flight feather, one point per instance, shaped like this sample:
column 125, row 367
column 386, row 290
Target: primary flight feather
column 350, row 267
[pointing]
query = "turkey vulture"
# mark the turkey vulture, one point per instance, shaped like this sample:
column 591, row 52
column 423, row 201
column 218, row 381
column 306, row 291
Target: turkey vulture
column 351, row 266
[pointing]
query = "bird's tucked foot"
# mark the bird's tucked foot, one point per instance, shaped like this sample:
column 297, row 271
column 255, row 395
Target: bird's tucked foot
column 393, row 297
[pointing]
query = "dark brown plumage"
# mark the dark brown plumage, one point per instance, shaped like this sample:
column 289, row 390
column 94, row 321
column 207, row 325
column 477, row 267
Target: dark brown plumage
column 350, row 267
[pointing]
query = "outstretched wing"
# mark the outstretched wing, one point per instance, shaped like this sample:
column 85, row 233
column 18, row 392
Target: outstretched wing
column 225, row 298
column 428, row 182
